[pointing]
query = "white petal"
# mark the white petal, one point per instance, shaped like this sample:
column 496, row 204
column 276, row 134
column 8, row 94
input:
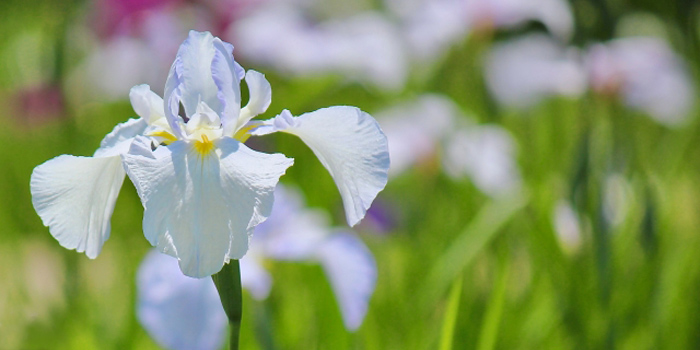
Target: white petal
column 146, row 103
column 260, row 97
column 118, row 141
column 350, row 144
column 201, row 209
column 196, row 55
column 255, row 278
column 352, row 271
column 75, row 197
column 179, row 312
column 225, row 72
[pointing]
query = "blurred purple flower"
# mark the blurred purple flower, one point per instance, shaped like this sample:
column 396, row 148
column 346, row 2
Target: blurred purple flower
column 179, row 312
column 646, row 73
column 523, row 71
column 293, row 233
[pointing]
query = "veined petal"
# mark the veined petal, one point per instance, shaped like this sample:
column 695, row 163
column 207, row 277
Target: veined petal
column 224, row 73
column 146, row 103
column 352, row 272
column 260, row 97
column 75, row 197
column 119, row 140
column 350, row 145
column 202, row 208
column 179, row 312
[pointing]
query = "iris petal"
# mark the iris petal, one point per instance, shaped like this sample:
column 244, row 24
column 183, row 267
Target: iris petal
column 260, row 97
column 179, row 312
column 202, row 208
column 352, row 272
column 75, row 197
column 350, row 145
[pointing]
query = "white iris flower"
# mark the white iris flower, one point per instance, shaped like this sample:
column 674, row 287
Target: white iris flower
column 202, row 189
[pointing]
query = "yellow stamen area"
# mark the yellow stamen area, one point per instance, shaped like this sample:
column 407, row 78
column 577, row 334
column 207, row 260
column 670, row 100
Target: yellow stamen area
column 204, row 146
column 169, row 138
column 242, row 135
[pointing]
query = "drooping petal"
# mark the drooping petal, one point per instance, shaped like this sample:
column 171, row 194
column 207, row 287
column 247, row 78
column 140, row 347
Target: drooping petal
column 352, row 272
column 119, row 140
column 260, row 97
column 350, row 145
column 201, row 208
column 75, row 197
column 179, row 312
column 255, row 278
column 146, row 103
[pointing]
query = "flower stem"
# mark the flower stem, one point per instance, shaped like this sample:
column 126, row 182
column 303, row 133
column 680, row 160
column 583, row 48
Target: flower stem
column 228, row 283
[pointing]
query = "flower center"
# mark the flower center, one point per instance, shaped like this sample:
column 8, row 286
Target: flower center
column 204, row 145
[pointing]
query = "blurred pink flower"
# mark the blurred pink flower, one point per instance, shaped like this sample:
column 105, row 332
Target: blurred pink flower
column 646, row 74
column 37, row 104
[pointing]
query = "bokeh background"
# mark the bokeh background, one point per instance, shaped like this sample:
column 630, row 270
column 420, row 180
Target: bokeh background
column 545, row 181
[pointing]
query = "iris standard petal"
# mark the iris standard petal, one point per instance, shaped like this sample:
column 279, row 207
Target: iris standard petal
column 352, row 272
column 146, row 103
column 172, row 96
column 350, row 145
column 202, row 208
column 260, row 97
column 179, row 312
column 75, row 197
column 223, row 71
column 195, row 57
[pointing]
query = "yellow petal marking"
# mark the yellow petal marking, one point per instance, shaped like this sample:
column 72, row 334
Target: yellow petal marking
column 242, row 134
column 169, row 138
column 203, row 146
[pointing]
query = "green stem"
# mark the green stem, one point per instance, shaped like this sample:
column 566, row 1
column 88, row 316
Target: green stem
column 228, row 283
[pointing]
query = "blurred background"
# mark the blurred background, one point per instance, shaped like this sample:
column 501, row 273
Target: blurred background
column 545, row 178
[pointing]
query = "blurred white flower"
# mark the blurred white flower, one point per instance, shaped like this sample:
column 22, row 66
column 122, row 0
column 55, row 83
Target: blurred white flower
column 617, row 198
column 486, row 154
column 432, row 26
column 294, row 233
column 178, row 312
column 363, row 47
column 647, row 74
column 415, row 129
column 432, row 125
column 567, row 225
column 523, row 71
